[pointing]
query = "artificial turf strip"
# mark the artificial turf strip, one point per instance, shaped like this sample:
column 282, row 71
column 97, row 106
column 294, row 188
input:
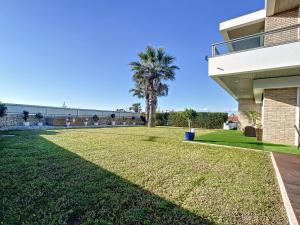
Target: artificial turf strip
column 237, row 139
column 132, row 176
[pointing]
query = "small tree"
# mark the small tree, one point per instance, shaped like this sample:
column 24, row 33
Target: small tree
column 253, row 115
column 95, row 118
column 39, row 116
column 25, row 115
column 68, row 118
column 113, row 116
column 3, row 109
column 190, row 115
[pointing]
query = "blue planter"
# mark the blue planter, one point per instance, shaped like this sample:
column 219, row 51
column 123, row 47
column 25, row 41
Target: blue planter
column 189, row 136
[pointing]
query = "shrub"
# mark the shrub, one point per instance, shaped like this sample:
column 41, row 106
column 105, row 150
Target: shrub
column 25, row 115
column 3, row 110
column 95, row 118
column 208, row 120
column 143, row 119
column 39, row 116
column 161, row 119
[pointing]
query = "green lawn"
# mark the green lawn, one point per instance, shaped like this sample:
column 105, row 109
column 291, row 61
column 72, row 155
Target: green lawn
column 133, row 176
column 237, row 139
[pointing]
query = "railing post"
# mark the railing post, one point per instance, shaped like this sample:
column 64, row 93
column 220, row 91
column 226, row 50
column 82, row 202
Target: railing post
column 213, row 50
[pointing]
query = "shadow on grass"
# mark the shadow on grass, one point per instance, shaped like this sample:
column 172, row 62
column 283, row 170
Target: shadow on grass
column 44, row 183
column 151, row 139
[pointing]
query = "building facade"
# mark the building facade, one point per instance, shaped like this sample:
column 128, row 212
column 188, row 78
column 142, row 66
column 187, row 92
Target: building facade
column 258, row 63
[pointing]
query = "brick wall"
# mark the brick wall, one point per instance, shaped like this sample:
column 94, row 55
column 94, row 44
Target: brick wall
column 246, row 105
column 280, row 115
column 280, row 20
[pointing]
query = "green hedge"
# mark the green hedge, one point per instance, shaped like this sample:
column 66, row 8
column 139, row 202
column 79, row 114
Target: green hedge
column 208, row 120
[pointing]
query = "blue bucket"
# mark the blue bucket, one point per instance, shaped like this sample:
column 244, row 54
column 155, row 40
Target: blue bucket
column 189, row 136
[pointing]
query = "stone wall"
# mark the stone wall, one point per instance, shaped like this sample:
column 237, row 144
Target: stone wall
column 280, row 115
column 244, row 106
column 281, row 20
column 79, row 121
column 17, row 120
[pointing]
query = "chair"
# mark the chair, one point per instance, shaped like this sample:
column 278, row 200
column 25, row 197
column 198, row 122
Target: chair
column 298, row 135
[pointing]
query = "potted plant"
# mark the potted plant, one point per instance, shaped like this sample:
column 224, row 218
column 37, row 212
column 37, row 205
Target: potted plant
column 39, row 116
column 124, row 120
column 3, row 109
column 253, row 116
column 133, row 120
column 113, row 116
column 68, row 121
column 96, row 120
column 190, row 116
column 25, row 118
column 85, row 121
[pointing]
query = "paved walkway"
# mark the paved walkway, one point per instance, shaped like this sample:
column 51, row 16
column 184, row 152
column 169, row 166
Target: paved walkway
column 289, row 168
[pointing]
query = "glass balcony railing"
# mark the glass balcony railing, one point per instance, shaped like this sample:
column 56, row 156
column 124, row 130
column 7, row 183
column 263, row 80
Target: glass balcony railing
column 264, row 39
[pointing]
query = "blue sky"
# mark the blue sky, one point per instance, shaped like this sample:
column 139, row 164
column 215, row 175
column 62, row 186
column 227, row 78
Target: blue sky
column 78, row 51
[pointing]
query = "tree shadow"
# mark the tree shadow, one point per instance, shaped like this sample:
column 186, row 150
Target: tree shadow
column 151, row 138
column 43, row 183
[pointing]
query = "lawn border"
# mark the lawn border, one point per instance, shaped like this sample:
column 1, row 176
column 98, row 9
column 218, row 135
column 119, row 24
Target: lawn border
column 286, row 201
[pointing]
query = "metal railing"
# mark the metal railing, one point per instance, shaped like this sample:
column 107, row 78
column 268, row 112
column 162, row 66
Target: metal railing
column 260, row 40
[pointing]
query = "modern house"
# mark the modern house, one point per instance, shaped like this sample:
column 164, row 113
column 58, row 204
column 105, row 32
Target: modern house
column 258, row 63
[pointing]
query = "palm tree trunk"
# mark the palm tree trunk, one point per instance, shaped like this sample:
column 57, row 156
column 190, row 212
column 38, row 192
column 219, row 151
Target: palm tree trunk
column 151, row 119
column 147, row 108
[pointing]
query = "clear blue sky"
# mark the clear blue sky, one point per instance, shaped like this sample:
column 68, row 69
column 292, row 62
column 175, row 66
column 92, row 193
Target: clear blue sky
column 78, row 51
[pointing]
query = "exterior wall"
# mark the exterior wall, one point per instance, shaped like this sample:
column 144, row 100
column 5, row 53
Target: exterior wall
column 281, row 20
column 246, row 105
column 280, row 115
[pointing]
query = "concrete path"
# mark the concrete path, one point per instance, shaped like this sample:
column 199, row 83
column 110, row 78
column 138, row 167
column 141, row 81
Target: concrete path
column 289, row 168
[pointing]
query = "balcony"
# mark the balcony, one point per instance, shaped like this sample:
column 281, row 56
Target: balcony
column 260, row 40
column 273, row 50
column 235, row 64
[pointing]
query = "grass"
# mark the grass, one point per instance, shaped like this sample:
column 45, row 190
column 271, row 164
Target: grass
column 237, row 139
column 132, row 176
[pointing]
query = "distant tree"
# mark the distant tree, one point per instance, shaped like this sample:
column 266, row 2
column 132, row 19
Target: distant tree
column 25, row 115
column 39, row 116
column 95, row 118
column 3, row 109
column 136, row 107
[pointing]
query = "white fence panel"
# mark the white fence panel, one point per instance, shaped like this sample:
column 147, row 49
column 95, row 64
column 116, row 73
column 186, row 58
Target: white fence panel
column 57, row 111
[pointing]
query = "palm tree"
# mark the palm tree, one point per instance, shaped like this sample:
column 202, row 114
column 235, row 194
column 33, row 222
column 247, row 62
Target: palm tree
column 136, row 107
column 153, row 68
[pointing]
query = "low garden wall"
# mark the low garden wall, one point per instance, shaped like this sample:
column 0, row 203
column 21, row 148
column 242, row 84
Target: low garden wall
column 57, row 116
